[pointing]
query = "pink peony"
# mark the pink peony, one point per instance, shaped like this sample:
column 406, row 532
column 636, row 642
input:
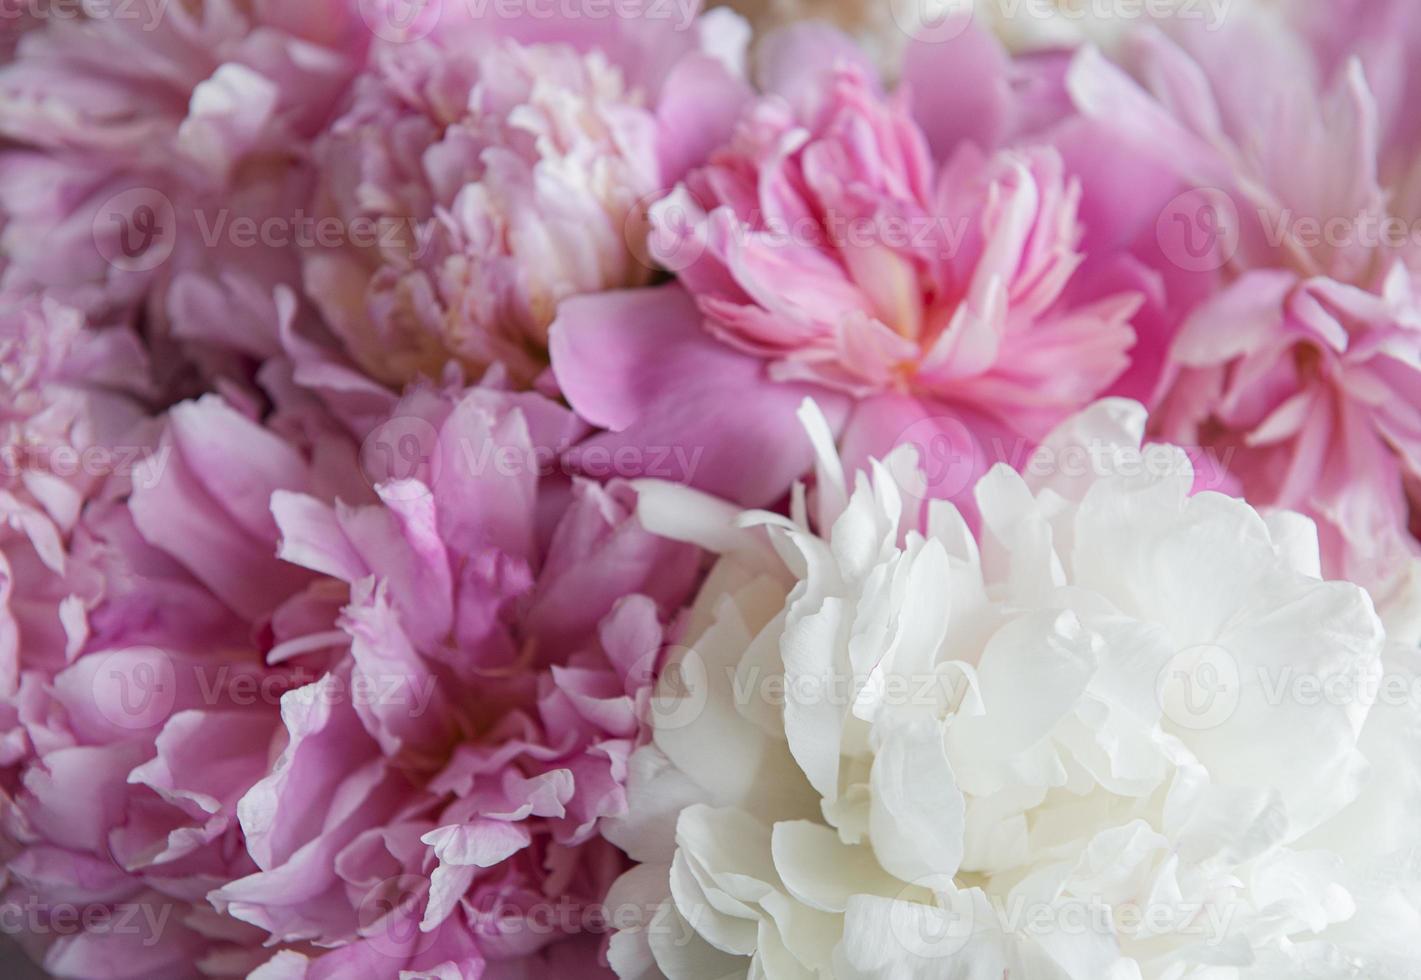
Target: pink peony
column 482, row 638
column 1300, row 360
column 141, row 746
column 159, row 159
column 498, row 166
column 298, row 710
column 123, row 750
column 143, row 706
column 70, row 404
column 912, row 261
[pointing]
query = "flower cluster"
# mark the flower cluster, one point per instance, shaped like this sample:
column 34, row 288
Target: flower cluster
column 606, row 488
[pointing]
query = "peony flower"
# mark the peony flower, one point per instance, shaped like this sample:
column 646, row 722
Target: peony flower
column 455, row 660
column 129, row 726
column 910, row 260
column 1295, row 169
column 480, row 638
column 71, row 398
column 140, row 705
column 155, row 160
column 1081, row 746
column 500, row 166
column 140, row 745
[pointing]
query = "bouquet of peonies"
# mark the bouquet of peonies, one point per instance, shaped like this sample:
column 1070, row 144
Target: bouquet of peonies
column 523, row 489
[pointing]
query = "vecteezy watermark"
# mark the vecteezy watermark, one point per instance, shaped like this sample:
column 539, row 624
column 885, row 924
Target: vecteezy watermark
column 665, row 232
column 931, row 930
column 135, row 688
column 947, row 461
column 682, row 690
column 391, row 912
column 930, row 923
column 391, row 233
column 681, row 13
column 1200, row 687
column 402, row 457
column 136, row 230
column 141, row 465
column 145, row 920
column 406, row 457
column 949, row 458
column 932, row 21
column 569, row 916
column 363, row 689
column 1368, row 230
column 389, row 915
column 1290, row 685
column 936, row 690
column 1208, row 466
column 1211, row 13
column 138, row 688
column 940, row 21
column 148, row 13
column 403, row 21
column 1199, row 230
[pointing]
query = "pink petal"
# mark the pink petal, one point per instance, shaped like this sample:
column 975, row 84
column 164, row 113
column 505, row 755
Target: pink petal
column 679, row 405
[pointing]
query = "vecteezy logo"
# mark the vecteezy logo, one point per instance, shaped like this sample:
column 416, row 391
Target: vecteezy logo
column 388, row 917
column 1199, row 230
column 681, row 691
column 935, row 929
column 1199, row 688
column 932, row 21
column 401, row 457
column 663, row 230
column 135, row 231
column 143, row 222
column 398, row 21
column 135, row 688
column 945, row 462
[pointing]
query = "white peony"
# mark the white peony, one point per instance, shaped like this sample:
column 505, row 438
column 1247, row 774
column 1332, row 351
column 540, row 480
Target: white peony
column 1131, row 734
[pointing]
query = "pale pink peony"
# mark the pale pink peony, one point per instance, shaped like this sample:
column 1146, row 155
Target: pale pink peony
column 123, row 749
column 1299, row 360
column 301, row 711
column 158, row 159
column 140, row 746
column 483, row 636
column 70, row 406
column 497, row 166
column 911, row 260
column 144, row 705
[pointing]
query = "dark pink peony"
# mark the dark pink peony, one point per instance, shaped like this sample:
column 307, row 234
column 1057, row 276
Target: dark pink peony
column 911, row 260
